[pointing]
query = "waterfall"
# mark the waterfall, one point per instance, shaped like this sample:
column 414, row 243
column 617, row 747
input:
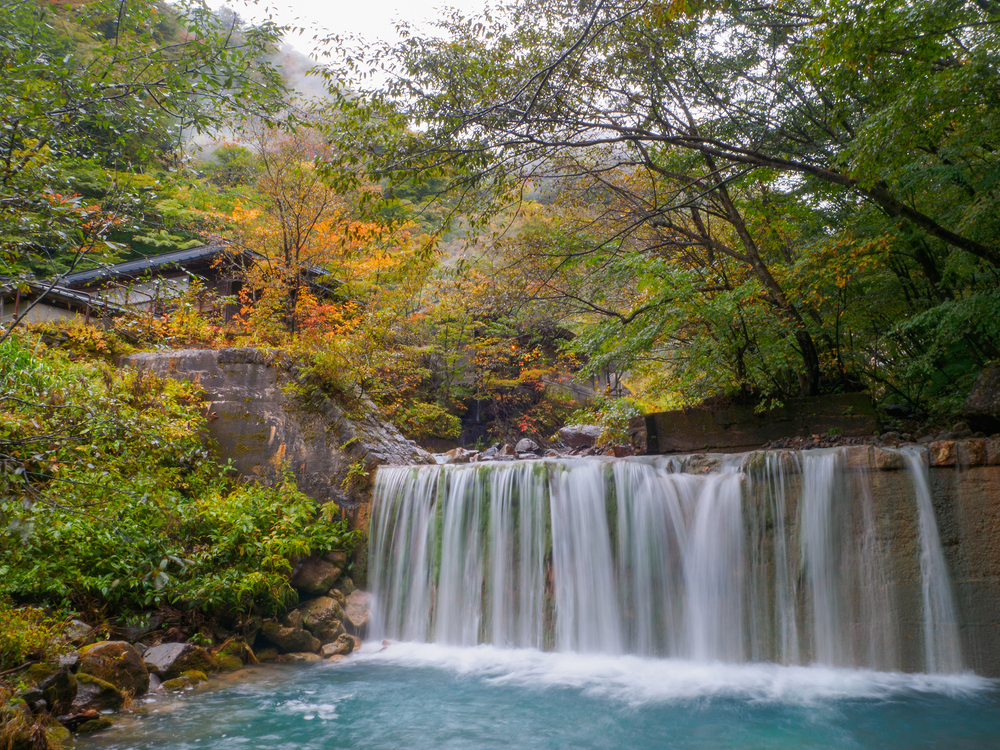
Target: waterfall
column 941, row 647
column 780, row 557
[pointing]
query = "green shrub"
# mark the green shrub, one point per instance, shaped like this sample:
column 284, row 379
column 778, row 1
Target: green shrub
column 110, row 502
column 418, row 419
column 612, row 415
column 28, row 633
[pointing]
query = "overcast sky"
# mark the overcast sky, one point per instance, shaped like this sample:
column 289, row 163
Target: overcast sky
column 370, row 19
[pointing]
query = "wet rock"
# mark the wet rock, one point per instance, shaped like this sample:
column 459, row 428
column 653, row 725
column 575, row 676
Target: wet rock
column 266, row 655
column 942, row 453
column 77, row 631
column 890, row 438
column 551, row 453
column 155, row 683
column 972, row 452
column 489, row 453
column 228, row 663
column 188, row 679
column 506, row 452
column 887, row 460
column 357, row 642
column 94, row 693
column 342, row 646
column 173, row 659
column 336, row 659
column 858, row 457
column 701, row 464
column 345, row 585
column 580, row 435
column 293, row 619
column 338, row 558
column 237, row 649
column 459, row 456
column 299, row 656
column 116, row 662
column 96, row 724
column 34, row 699
column 290, row 639
column 70, row 661
column 357, row 611
column 526, row 445
column 56, row 735
column 322, row 617
column 338, row 593
column 56, row 686
column 315, row 576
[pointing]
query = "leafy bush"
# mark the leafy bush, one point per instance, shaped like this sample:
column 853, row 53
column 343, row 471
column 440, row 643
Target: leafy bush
column 28, row 633
column 612, row 415
column 418, row 419
column 109, row 500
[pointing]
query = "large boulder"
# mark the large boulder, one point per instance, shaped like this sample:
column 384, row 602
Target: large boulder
column 290, row 640
column 264, row 420
column 323, row 618
column 315, row 576
column 982, row 407
column 580, row 435
column 340, row 647
column 357, row 610
column 93, row 693
column 174, row 659
column 56, row 685
column 526, row 445
column 116, row 662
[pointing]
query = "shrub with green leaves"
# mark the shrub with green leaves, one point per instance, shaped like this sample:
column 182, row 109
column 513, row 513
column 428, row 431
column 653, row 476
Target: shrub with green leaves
column 612, row 415
column 110, row 501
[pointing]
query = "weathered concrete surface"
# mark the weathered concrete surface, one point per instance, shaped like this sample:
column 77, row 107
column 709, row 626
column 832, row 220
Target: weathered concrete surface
column 259, row 422
column 966, row 502
column 738, row 427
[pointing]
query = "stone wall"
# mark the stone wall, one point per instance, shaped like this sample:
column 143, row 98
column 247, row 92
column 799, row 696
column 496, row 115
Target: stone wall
column 259, row 422
column 965, row 492
column 740, row 427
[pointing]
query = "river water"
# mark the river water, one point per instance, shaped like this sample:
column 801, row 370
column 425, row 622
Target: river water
column 426, row 696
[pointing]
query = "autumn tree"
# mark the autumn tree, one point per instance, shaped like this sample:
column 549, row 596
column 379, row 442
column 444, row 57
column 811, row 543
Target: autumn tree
column 738, row 144
column 99, row 93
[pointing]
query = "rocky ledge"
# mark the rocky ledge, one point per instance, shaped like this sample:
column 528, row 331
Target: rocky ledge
column 85, row 688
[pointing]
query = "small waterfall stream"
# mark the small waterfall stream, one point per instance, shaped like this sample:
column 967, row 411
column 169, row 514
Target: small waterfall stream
column 768, row 557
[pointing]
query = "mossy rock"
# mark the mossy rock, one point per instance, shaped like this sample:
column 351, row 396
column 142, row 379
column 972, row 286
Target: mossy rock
column 95, row 725
column 228, row 663
column 239, row 649
column 57, row 685
column 57, row 735
column 189, row 679
column 93, row 692
column 266, row 655
column 40, row 672
column 116, row 662
column 171, row 660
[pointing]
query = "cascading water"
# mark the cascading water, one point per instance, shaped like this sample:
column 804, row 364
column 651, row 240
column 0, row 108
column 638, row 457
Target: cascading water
column 765, row 557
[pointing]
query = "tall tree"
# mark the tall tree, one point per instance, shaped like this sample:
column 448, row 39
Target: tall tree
column 111, row 84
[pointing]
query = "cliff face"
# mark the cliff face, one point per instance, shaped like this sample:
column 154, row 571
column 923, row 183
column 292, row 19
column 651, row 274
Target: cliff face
column 258, row 421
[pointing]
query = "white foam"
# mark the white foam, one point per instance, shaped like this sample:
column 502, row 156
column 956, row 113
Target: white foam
column 638, row 680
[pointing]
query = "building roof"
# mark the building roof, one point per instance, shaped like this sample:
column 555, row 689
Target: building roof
column 182, row 259
column 61, row 296
column 178, row 258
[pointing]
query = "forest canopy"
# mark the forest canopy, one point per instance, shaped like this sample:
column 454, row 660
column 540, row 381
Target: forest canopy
column 760, row 200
